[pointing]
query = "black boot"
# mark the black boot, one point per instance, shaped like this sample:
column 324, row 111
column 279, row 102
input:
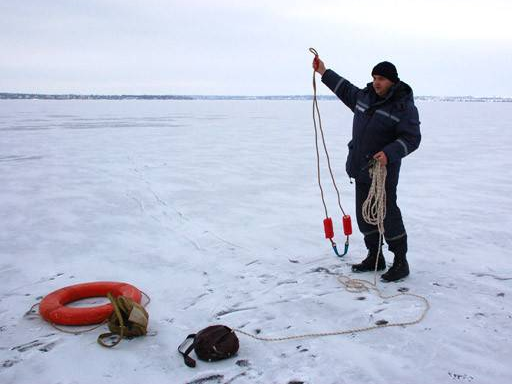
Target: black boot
column 400, row 267
column 398, row 270
column 368, row 264
column 372, row 244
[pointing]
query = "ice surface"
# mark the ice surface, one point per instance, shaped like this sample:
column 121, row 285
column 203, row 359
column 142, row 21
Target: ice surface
column 212, row 208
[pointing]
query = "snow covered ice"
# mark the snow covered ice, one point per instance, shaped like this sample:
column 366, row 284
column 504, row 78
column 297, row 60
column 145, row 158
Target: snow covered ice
column 212, row 208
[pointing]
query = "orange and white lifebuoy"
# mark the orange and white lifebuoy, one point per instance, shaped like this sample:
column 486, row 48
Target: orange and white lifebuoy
column 53, row 307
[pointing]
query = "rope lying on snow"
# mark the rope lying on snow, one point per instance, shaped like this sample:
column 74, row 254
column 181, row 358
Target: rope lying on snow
column 374, row 209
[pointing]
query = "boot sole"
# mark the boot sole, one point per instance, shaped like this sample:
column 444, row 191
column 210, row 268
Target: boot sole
column 392, row 281
column 367, row 270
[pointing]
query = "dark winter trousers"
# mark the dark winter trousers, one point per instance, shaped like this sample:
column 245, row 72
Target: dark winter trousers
column 394, row 230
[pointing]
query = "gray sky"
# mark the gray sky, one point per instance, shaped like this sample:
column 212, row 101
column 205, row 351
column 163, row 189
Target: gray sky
column 247, row 47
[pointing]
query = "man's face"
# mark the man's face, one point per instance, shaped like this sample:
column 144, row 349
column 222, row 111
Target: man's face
column 381, row 85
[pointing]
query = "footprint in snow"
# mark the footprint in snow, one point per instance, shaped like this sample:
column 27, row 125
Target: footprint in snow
column 243, row 363
column 40, row 344
column 206, row 379
column 10, row 362
column 450, row 285
column 322, row 270
column 491, row 275
column 464, row 377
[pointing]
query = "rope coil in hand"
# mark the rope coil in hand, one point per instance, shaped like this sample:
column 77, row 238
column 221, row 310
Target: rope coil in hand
column 374, row 207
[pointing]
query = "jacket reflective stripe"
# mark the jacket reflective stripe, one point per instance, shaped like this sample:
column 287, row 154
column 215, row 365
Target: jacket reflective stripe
column 396, row 237
column 338, row 85
column 361, row 106
column 403, row 145
column 384, row 113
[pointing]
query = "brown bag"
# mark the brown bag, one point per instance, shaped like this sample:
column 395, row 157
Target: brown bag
column 216, row 342
column 129, row 319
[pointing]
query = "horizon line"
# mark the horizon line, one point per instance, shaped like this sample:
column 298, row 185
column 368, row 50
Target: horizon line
column 17, row 95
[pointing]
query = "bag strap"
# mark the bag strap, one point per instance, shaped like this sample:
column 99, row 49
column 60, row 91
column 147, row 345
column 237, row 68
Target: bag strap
column 121, row 325
column 190, row 362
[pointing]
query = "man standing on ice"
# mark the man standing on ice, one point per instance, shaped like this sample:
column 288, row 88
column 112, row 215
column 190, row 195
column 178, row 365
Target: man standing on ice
column 386, row 128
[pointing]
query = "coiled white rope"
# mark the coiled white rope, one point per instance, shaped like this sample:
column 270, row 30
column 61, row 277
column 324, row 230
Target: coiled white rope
column 374, row 207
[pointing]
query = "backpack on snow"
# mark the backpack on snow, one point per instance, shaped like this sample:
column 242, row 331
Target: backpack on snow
column 216, row 342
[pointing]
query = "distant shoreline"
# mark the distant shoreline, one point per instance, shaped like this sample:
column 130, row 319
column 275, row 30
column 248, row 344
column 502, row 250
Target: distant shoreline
column 38, row 96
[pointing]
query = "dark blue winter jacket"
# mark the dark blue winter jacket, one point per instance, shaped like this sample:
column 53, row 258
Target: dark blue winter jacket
column 389, row 124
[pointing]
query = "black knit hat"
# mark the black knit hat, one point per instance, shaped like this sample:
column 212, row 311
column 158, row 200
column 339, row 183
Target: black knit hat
column 387, row 70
